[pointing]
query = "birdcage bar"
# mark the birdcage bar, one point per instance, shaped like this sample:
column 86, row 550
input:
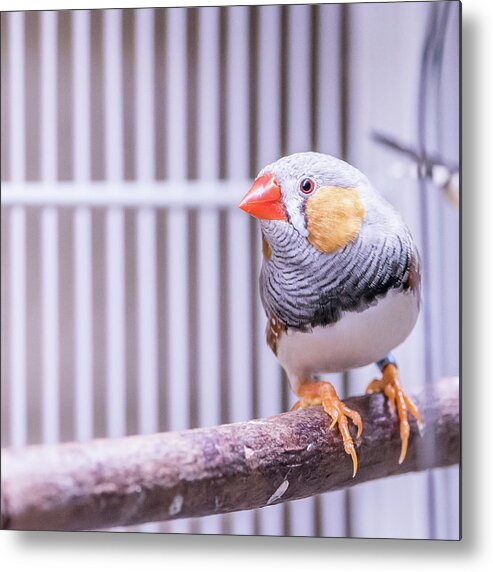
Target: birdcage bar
column 208, row 94
column 176, row 83
column 177, row 227
column 328, row 96
column 17, row 93
column 49, row 95
column 114, row 229
column 49, row 232
column 269, row 74
column 83, row 323
column 113, row 110
column 81, row 25
column 178, row 383
column 208, row 224
column 148, row 410
column 82, row 221
column 208, row 247
column 147, row 321
column 209, row 313
column 18, row 389
column 146, row 226
column 177, row 272
column 115, row 319
column 237, row 92
column 50, row 321
column 239, row 272
column 299, row 80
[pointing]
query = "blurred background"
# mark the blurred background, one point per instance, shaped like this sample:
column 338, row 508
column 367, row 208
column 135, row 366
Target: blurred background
column 129, row 277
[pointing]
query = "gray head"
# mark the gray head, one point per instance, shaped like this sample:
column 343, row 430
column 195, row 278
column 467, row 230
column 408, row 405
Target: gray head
column 323, row 199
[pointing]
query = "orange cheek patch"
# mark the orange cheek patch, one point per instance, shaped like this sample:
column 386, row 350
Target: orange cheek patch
column 334, row 216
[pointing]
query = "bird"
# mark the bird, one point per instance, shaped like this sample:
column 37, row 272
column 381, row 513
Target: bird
column 339, row 282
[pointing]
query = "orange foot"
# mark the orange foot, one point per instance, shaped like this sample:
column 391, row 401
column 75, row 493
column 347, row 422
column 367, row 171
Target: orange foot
column 323, row 393
column 390, row 385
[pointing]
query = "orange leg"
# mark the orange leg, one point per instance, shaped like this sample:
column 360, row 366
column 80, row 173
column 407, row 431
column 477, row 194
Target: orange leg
column 390, row 385
column 323, row 393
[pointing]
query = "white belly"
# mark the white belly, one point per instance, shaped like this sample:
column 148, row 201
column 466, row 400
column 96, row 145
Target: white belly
column 357, row 339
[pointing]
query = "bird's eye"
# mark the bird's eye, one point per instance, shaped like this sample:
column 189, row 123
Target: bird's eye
column 307, row 186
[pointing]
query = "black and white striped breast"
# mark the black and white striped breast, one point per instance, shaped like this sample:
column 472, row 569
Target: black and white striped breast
column 303, row 288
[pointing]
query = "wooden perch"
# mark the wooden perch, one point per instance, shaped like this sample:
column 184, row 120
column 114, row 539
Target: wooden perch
column 118, row 482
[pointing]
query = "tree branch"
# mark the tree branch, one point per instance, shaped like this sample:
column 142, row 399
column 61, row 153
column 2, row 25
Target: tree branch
column 118, row 482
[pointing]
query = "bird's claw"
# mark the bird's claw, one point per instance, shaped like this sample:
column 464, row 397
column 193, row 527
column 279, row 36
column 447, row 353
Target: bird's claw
column 391, row 387
column 323, row 393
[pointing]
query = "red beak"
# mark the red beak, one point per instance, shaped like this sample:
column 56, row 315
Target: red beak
column 263, row 200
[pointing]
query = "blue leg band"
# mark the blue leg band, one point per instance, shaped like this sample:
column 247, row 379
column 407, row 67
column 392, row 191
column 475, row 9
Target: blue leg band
column 389, row 358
